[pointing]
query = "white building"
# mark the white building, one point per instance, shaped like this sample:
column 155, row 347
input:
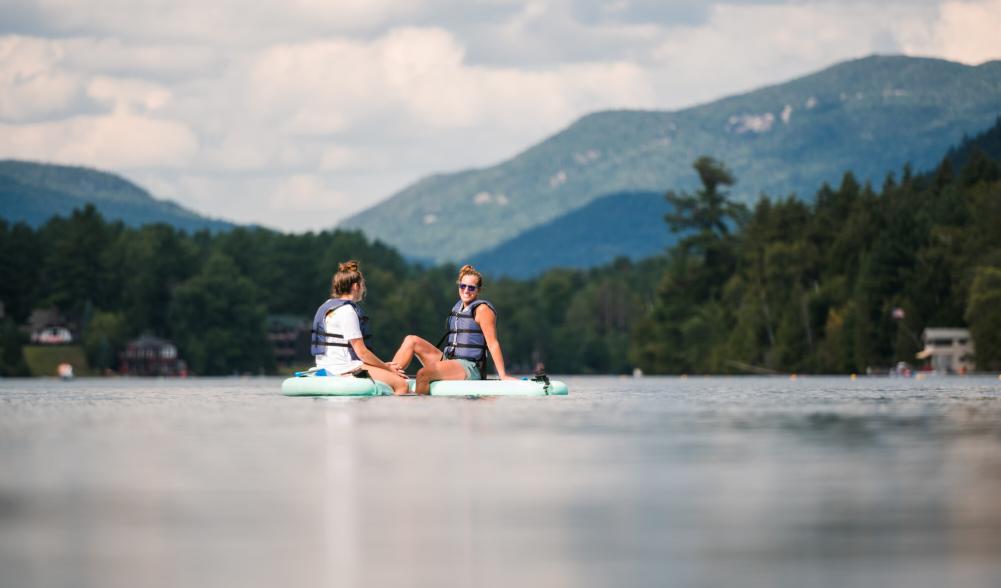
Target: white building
column 48, row 327
column 949, row 351
column 52, row 336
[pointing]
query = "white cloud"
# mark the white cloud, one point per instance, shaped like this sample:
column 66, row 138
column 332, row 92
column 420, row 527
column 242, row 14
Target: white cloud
column 240, row 150
column 765, row 44
column 121, row 141
column 306, row 193
column 328, row 87
column 294, row 202
column 555, row 32
column 31, row 86
column 48, row 79
column 297, row 114
column 128, row 95
column 967, row 31
column 229, row 22
column 337, row 157
column 113, row 56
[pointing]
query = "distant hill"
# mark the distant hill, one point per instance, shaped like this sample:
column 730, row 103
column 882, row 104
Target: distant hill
column 987, row 142
column 629, row 224
column 632, row 225
column 35, row 192
column 870, row 116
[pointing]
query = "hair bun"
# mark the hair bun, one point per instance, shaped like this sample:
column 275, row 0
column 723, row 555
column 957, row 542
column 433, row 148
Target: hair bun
column 468, row 270
column 348, row 266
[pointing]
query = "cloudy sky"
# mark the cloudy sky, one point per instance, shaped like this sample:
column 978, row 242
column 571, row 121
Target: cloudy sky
column 296, row 113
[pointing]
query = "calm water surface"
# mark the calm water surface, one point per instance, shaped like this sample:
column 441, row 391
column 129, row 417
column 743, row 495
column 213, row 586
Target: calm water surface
column 647, row 482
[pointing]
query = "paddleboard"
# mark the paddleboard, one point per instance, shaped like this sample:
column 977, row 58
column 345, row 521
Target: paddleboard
column 334, row 386
column 350, row 386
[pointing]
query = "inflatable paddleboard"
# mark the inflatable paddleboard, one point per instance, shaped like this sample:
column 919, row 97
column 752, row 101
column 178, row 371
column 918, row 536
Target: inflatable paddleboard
column 334, row 386
column 351, row 386
column 495, row 388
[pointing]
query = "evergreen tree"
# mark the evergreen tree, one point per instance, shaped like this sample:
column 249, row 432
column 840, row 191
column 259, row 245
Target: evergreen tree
column 104, row 338
column 983, row 313
column 20, row 269
column 11, row 353
column 151, row 262
column 218, row 321
column 74, row 271
column 707, row 216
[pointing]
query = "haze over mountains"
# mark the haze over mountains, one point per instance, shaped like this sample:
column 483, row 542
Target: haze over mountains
column 869, row 116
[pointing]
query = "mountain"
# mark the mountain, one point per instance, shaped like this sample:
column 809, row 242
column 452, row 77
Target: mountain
column 629, row 224
column 632, row 225
column 34, row 192
column 870, row 116
column 988, row 143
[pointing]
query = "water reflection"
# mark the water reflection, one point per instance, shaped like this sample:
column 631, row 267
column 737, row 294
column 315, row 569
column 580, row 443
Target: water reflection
column 700, row 482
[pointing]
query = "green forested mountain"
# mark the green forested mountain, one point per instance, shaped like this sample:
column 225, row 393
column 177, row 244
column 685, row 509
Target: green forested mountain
column 843, row 282
column 870, row 116
column 35, row 192
column 840, row 284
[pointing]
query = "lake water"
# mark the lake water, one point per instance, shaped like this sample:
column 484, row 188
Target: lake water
column 626, row 482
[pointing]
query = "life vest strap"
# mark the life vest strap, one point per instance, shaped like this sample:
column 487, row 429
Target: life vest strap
column 335, row 335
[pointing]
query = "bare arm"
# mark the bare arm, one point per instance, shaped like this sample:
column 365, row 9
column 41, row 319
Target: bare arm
column 488, row 324
column 369, row 358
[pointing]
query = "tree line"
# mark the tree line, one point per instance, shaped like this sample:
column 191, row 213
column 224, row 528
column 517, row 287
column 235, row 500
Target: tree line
column 838, row 285
column 844, row 284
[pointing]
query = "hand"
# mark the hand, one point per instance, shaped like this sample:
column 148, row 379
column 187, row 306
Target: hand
column 507, row 377
column 396, row 368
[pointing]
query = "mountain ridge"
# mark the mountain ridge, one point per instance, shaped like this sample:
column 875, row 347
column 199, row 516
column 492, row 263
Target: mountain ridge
column 33, row 192
column 632, row 225
column 871, row 115
column 626, row 224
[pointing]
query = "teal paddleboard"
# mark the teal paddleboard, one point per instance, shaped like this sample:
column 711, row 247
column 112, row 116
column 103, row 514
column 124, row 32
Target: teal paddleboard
column 495, row 388
column 334, row 386
column 345, row 386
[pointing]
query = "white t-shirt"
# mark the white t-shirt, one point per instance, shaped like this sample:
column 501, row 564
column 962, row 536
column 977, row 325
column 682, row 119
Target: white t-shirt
column 338, row 360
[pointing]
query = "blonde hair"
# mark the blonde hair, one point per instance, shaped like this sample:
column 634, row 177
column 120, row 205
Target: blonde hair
column 347, row 276
column 468, row 270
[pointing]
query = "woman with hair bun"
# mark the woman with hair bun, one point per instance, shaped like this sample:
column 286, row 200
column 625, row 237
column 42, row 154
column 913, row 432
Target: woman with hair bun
column 340, row 329
column 472, row 332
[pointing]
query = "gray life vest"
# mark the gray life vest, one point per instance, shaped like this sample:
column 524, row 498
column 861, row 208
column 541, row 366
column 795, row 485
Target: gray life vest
column 321, row 339
column 465, row 339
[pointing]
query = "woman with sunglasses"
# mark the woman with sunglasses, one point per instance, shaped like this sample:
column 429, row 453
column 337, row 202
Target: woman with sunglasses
column 472, row 332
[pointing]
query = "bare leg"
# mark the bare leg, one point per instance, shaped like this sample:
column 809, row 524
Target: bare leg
column 412, row 345
column 442, row 370
column 397, row 383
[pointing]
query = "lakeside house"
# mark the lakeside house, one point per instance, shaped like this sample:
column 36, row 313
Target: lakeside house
column 47, row 326
column 948, row 350
column 151, row 356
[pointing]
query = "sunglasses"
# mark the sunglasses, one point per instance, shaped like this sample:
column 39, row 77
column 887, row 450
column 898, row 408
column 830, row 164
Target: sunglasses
column 469, row 287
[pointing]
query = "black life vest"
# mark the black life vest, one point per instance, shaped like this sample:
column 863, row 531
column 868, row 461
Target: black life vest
column 321, row 339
